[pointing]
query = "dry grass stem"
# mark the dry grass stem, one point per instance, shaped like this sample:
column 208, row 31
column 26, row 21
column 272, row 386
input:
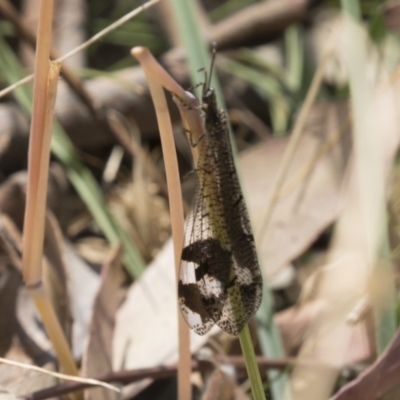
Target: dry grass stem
column 305, row 170
column 87, row 381
column 86, row 44
column 45, row 89
column 38, row 171
column 291, row 149
column 154, row 76
column 116, row 121
column 39, row 150
column 39, row 156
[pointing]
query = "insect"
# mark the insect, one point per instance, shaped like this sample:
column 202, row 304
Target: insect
column 219, row 280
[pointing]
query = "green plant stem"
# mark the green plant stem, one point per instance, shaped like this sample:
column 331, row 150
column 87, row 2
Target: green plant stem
column 198, row 56
column 271, row 345
column 251, row 364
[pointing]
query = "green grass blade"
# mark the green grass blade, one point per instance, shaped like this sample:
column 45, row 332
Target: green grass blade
column 294, row 56
column 194, row 44
column 198, row 57
column 271, row 345
column 80, row 177
column 268, row 88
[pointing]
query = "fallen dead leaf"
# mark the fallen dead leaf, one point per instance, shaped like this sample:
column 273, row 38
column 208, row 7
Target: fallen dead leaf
column 391, row 14
column 10, row 280
column 219, row 386
column 378, row 380
column 146, row 332
column 146, row 328
column 309, row 201
column 97, row 359
column 18, row 381
column 346, row 275
column 83, row 286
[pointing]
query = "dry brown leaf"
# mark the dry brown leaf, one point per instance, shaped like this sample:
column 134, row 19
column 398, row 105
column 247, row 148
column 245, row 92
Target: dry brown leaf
column 97, row 358
column 391, row 14
column 7, row 396
column 146, row 333
column 18, row 381
column 346, row 275
column 83, row 286
column 294, row 323
column 13, row 191
column 54, row 274
column 328, row 25
column 309, row 202
column 151, row 304
column 146, row 219
column 10, row 281
column 30, row 330
column 219, row 386
column 378, row 380
column 93, row 249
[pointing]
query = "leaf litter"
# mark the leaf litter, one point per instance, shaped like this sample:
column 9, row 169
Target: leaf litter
column 143, row 331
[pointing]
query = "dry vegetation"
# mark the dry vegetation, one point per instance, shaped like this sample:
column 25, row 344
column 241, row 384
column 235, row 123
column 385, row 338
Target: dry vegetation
column 312, row 91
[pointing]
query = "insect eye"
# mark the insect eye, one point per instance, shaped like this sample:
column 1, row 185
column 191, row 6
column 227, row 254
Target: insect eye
column 208, row 94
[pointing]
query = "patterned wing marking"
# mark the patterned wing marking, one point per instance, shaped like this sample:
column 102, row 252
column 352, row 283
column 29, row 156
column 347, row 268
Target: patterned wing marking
column 207, row 260
column 245, row 262
column 190, row 302
column 220, row 279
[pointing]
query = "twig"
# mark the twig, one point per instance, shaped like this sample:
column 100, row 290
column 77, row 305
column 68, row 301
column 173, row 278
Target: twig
column 160, row 372
column 85, row 381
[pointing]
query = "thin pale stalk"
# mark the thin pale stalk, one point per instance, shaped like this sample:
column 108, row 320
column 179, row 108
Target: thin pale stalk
column 80, row 177
column 191, row 118
column 186, row 19
column 86, row 44
column 284, row 166
column 45, row 89
column 301, row 174
column 279, row 381
column 371, row 177
column 34, row 228
column 53, row 329
column 176, row 208
column 39, row 153
column 86, row 381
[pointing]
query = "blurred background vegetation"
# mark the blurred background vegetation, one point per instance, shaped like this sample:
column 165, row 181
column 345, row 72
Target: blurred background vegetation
column 107, row 177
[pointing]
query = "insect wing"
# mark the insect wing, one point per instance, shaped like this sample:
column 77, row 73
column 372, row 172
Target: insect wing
column 246, row 292
column 208, row 290
column 190, row 301
column 220, row 279
column 242, row 244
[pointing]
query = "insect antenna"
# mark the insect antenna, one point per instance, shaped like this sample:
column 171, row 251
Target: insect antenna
column 214, row 53
column 208, row 75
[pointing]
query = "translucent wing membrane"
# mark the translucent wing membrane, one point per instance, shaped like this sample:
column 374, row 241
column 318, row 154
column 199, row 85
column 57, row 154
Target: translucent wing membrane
column 220, row 280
